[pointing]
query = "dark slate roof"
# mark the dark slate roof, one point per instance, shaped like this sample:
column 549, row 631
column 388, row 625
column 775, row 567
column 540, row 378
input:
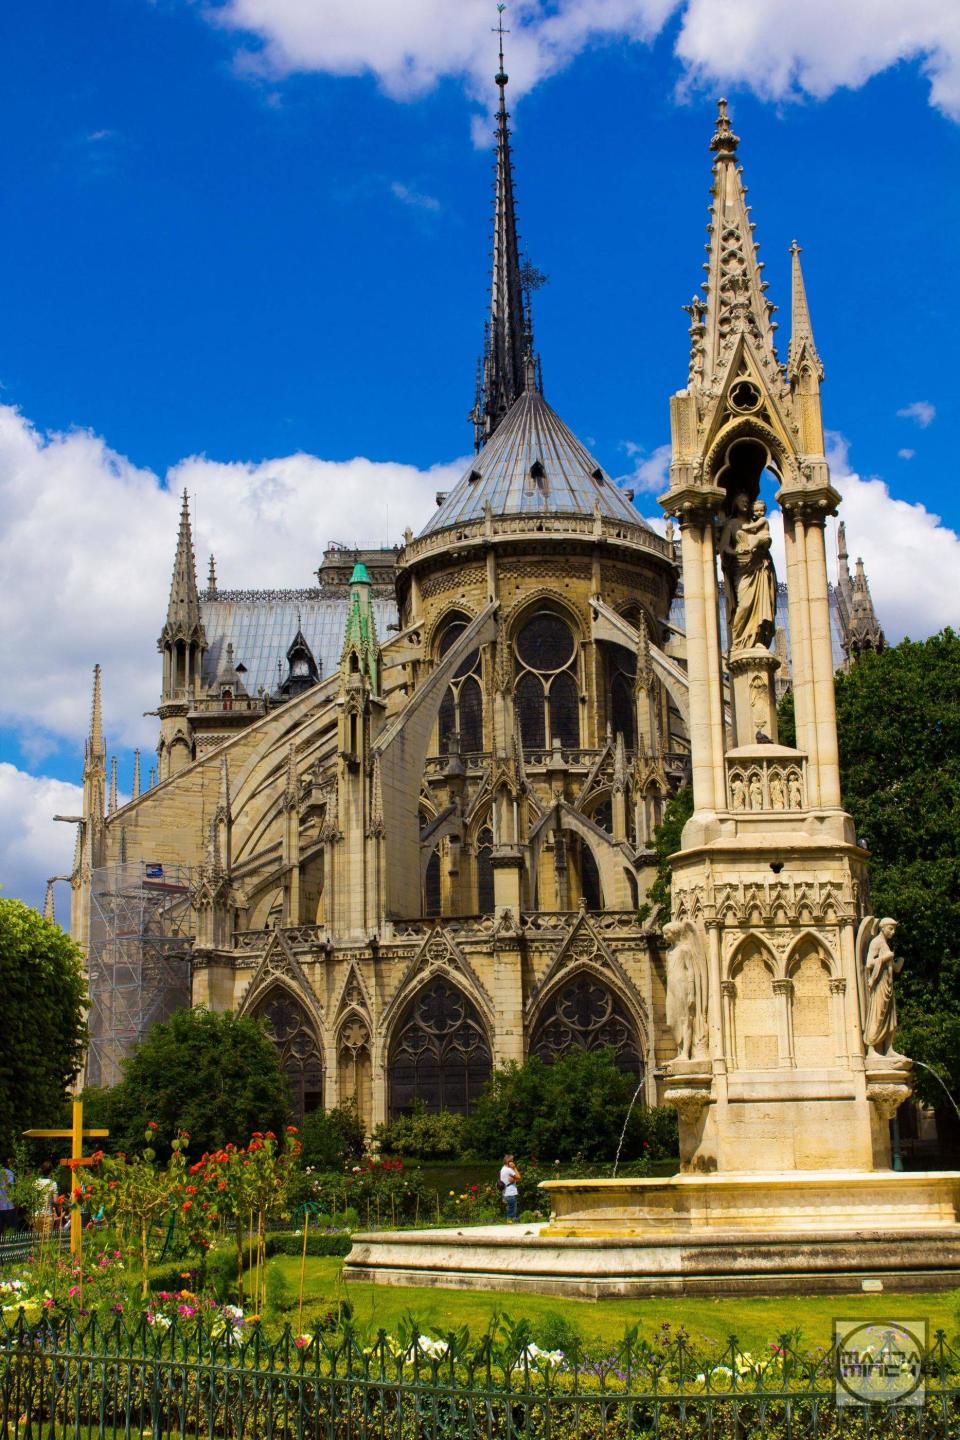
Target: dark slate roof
column 533, row 465
column 263, row 624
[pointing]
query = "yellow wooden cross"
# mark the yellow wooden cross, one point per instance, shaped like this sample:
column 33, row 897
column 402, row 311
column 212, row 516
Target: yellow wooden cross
column 77, row 1135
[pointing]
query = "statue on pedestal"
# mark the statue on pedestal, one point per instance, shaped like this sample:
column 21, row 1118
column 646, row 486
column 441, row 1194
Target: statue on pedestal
column 751, row 579
column 686, row 990
column 880, row 965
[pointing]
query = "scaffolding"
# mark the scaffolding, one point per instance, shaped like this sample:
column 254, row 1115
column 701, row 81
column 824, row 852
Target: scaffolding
column 138, row 959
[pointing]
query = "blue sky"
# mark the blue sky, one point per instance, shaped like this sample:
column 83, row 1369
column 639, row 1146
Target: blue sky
column 214, row 247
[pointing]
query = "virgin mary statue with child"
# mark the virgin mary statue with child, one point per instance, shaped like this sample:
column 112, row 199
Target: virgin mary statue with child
column 751, row 581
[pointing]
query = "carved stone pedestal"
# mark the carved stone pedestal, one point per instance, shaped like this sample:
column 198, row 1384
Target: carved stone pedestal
column 754, row 695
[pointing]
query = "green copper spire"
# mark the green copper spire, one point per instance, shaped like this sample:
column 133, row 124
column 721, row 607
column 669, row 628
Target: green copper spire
column 361, row 648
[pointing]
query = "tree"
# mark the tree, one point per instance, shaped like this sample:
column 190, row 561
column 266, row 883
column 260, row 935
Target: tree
column 666, row 842
column 898, row 725
column 206, row 1072
column 575, row 1106
column 43, row 1036
column 329, row 1138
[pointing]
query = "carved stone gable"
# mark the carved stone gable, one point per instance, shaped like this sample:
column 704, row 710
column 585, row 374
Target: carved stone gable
column 278, row 962
column 440, row 953
column 582, row 947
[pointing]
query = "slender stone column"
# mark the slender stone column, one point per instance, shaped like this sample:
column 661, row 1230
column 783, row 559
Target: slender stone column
column 783, row 990
column 801, row 662
column 700, row 675
column 825, row 709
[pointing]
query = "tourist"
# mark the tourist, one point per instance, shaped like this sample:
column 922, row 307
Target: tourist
column 8, row 1211
column 48, row 1198
column 509, row 1175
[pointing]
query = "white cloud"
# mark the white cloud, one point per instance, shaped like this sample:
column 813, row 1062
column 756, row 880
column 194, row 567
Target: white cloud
column 912, row 559
column 785, row 51
column 32, row 846
column 416, row 198
column 921, row 410
column 779, row 51
column 651, row 472
column 905, row 454
column 88, row 541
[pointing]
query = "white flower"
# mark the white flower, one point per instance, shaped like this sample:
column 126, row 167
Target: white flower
column 533, row 1354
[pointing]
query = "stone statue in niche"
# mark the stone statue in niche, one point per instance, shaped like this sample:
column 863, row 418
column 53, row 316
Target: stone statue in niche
column 778, row 796
column 751, row 580
column 686, row 989
column 879, row 966
column 795, row 792
column 739, row 792
column 756, row 792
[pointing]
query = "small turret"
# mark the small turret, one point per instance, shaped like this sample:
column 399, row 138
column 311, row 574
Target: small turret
column 361, row 649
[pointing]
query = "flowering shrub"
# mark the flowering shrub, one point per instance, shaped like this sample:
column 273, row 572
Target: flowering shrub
column 134, row 1194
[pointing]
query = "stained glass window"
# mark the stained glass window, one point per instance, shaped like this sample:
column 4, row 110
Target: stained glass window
column 622, row 670
column 440, row 1053
column 584, row 1013
column 431, row 885
column 461, row 710
column 300, row 1053
column 485, row 901
column 547, row 694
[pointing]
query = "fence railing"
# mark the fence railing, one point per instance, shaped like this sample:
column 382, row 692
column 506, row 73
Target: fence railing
column 83, row 1379
column 16, row 1246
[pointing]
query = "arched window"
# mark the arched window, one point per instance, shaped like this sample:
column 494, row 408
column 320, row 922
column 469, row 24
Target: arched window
column 431, row 885
column 584, row 1013
column 485, row 901
column 439, row 1053
column 300, row 1053
column 622, row 672
column 353, row 1066
column 547, row 696
column 589, row 878
column 461, row 709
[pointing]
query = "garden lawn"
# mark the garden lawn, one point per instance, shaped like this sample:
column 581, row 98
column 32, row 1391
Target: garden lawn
column 756, row 1322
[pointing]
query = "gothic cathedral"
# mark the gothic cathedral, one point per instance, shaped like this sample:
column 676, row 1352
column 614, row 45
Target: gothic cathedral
column 407, row 814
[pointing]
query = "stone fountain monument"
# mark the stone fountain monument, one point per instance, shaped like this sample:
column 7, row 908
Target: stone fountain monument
column 780, row 981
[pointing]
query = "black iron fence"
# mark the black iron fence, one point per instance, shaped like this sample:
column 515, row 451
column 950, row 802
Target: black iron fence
column 82, row 1379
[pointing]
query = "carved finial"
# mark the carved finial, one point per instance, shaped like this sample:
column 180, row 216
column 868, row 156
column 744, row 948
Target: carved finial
column 724, row 142
column 212, row 578
column 112, row 806
column 48, row 911
column 802, row 346
column 136, row 773
column 153, row 777
column 291, row 789
column 95, row 745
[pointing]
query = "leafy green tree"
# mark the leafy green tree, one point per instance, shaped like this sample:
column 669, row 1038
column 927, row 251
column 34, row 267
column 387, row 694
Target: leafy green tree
column 575, row 1106
column 329, row 1138
column 898, row 725
column 203, row 1071
column 666, row 842
column 43, row 1033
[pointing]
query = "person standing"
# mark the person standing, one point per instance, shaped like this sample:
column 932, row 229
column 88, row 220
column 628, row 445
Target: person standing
column 8, row 1210
column 47, row 1187
column 509, row 1175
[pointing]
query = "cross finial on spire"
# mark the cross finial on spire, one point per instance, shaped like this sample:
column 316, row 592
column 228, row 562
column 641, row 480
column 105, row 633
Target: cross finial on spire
column 503, row 368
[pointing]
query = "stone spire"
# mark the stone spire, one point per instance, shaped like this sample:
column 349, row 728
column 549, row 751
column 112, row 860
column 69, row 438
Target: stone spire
column 802, row 348
column 183, row 611
column 48, row 910
column 291, row 788
column 112, row 805
column 508, row 335
column 136, row 773
column 860, row 630
column 736, row 302
column 95, row 758
column 212, row 578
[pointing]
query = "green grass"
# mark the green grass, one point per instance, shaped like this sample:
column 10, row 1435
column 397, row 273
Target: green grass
column 755, row 1321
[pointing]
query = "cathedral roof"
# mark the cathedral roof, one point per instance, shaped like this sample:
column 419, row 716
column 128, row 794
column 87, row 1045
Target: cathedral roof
column 261, row 625
column 533, row 465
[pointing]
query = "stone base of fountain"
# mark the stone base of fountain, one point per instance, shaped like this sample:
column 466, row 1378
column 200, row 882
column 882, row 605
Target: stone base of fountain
column 804, row 1233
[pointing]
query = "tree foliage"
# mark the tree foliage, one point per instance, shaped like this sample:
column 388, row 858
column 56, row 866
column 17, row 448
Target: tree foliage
column 329, row 1138
column 43, row 1033
column 666, row 842
column 206, row 1072
column 575, row 1106
column 898, row 725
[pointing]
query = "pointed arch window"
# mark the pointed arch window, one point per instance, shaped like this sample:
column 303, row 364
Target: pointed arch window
column 485, row 900
column 431, row 885
column 546, row 694
column 440, row 1053
column 461, row 709
column 622, row 675
column 585, row 1014
column 296, row 1039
